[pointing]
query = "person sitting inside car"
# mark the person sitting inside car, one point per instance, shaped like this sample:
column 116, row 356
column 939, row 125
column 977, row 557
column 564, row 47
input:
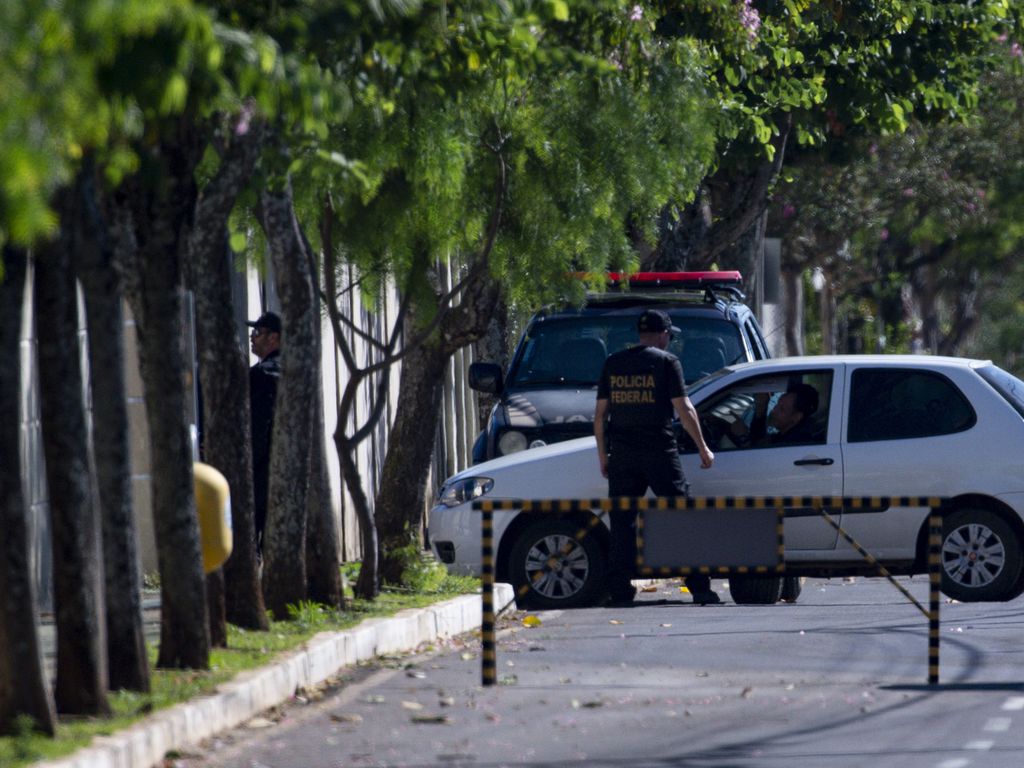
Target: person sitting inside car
column 789, row 420
column 777, row 419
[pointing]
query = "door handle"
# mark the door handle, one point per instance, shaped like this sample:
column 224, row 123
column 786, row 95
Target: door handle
column 826, row 462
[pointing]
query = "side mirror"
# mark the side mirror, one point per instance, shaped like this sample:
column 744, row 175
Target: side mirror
column 485, row 377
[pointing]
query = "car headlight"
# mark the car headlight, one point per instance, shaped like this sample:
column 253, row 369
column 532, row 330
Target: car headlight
column 462, row 491
column 511, row 442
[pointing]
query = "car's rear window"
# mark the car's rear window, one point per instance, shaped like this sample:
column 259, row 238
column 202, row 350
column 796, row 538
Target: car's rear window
column 901, row 403
column 571, row 351
column 1006, row 384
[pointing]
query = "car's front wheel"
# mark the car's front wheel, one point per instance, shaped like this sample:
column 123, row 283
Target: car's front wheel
column 981, row 556
column 551, row 568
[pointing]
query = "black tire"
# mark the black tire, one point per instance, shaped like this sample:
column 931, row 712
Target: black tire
column 551, row 568
column 981, row 557
column 755, row 590
column 791, row 589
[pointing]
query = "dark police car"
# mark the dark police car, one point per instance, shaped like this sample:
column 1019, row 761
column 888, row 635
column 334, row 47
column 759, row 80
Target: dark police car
column 548, row 394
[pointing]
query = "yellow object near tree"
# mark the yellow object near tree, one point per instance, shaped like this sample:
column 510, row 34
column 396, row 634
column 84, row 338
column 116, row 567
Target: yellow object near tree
column 213, row 505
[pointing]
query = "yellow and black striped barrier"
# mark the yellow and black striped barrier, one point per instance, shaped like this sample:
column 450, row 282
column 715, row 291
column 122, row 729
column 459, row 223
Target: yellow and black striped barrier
column 784, row 506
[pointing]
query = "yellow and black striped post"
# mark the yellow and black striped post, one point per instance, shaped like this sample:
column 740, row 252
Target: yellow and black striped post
column 934, row 581
column 488, row 664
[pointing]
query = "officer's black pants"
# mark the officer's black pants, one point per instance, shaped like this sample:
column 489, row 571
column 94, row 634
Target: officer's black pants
column 631, row 473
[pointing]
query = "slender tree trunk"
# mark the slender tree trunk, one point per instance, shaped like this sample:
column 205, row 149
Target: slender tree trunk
column 224, row 375
column 215, row 605
column 323, row 569
column 493, row 347
column 284, row 568
column 81, row 661
column 101, row 285
column 23, row 686
column 162, row 198
column 368, row 584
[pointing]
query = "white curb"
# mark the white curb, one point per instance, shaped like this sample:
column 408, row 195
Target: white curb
column 144, row 745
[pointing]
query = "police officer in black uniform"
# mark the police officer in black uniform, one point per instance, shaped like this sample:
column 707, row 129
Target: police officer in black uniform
column 265, row 340
column 638, row 391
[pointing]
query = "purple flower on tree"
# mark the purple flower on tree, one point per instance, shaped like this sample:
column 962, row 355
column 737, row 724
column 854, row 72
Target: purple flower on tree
column 750, row 19
column 637, row 13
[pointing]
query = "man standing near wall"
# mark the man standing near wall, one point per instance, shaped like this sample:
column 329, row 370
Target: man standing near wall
column 263, row 377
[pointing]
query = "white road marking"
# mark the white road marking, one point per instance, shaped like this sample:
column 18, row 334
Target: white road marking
column 981, row 745
column 1014, row 704
column 956, row 762
column 998, row 725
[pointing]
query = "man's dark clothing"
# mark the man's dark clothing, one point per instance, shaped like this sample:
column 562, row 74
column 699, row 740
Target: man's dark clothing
column 263, row 378
column 639, row 384
column 802, row 432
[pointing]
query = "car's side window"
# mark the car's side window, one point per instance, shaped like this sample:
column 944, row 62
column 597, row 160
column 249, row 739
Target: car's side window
column 769, row 411
column 899, row 403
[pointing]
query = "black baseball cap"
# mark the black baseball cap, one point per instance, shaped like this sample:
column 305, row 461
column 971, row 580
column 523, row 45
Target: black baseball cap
column 269, row 320
column 655, row 321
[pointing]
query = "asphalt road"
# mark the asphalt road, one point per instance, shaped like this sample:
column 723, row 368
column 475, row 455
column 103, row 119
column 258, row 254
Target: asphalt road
column 837, row 680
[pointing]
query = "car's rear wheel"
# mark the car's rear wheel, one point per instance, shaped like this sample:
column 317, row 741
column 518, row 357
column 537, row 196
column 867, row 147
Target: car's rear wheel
column 981, row 556
column 755, row 590
column 551, row 568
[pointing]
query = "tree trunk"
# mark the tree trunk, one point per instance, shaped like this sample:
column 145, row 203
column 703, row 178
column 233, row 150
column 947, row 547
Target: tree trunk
column 162, row 197
column 81, row 686
column 224, row 375
column 793, row 297
column 727, row 205
column 493, row 347
column 368, row 584
column 284, row 568
column 323, row 569
column 101, row 285
column 215, row 605
column 23, row 686
column 400, row 499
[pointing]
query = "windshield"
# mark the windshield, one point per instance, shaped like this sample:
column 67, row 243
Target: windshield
column 571, row 351
column 1006, row 384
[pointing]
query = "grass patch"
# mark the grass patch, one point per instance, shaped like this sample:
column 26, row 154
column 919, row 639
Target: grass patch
column 246, row 650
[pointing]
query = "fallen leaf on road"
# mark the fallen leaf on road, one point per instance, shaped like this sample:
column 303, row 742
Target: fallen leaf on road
column 648, row 589
column 684, row 590
column 467, row 656
column 508, row 680
column 615, row 621
column 415, row 673
column 447, row 701
column 746, row 692
column 375, row 699
column 666, row 626
column 259, row 722
column 593, row 704
column 432, row 719
column 531, row 621
column 411, row 705
column 346, row 718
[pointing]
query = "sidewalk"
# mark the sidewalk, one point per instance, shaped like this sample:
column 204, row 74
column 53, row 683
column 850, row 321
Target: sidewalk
column 186, row 725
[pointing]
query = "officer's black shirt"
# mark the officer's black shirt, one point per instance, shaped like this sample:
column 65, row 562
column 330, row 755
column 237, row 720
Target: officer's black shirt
column 639, row 384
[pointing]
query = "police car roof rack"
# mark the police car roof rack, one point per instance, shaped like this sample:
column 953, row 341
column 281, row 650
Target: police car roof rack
column 713, row 283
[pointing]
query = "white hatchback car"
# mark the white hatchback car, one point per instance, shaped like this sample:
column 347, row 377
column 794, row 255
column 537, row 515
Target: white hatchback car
column 886, row 425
